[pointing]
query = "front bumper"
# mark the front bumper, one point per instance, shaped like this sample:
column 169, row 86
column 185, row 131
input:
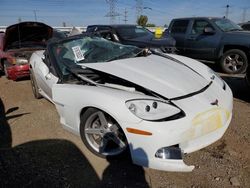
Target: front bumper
column 203, row 125
column 18, row 71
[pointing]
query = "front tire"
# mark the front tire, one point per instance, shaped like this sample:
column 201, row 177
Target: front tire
column 101, row 134
column 34, row 86
column 234, row 62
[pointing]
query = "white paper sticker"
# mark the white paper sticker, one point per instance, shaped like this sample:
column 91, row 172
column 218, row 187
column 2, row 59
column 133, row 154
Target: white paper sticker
column 78, row 53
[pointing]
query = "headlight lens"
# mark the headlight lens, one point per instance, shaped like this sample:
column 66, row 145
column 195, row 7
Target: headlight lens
column 152, row 110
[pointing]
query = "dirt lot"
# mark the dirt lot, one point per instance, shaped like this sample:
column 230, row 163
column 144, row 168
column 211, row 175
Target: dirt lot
column 36, row 151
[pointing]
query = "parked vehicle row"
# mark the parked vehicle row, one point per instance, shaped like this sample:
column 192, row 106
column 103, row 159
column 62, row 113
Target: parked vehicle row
column 205, row 39
column 212, row 39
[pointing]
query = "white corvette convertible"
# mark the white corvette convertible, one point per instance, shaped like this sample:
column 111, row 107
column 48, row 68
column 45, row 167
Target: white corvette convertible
column 116, row 97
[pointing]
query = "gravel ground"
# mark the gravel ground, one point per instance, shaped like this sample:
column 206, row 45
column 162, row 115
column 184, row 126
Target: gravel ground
column 36, row 152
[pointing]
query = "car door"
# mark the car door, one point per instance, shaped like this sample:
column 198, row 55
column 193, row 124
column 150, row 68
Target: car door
column 45, row 77
column 199, row 44
column 178, row 29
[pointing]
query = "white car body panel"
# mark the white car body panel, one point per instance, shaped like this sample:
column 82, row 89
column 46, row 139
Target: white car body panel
column 163, row 76
column 166, row 78
column 44, row 78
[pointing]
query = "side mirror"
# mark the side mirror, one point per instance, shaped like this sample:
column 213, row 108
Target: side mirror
column 208, row 30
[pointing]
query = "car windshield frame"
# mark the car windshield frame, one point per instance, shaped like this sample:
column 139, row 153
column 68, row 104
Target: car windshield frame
column 68, row 52
column 226, row 25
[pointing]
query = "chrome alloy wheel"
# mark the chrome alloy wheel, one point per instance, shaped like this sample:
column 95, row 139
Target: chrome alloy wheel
column 104, row 135
column 233, row 62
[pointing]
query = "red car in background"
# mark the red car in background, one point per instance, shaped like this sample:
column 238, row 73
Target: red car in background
column 18, row 43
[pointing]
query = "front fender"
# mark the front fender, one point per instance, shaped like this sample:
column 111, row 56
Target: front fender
column 71, row 99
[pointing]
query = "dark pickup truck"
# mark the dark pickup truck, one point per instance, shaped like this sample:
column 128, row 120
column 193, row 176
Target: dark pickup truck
column 212, row 39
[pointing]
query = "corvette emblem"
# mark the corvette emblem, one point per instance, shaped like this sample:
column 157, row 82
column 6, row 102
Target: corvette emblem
column 216, row 102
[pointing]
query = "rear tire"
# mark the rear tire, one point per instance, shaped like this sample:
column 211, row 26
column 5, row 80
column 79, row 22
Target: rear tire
column 34, row 86
column 101, row 134
column 234, row 62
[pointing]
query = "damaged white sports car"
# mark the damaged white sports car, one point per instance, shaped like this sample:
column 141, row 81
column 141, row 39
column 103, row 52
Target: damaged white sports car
column 117, row 97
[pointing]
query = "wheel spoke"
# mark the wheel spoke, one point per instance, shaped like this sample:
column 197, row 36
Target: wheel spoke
column 229, row 58
column 236, row 57
column 234, row 68
column 240, row 63
column 102, row 118
column 93, row 131
column 228, row 65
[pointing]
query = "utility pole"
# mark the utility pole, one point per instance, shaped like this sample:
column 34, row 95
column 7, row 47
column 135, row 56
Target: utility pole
column 19, row 19
column 244, row 13
column 35, row 15
column 112, row 13
column 138, row 8
column 125, row 16
column 227, row 10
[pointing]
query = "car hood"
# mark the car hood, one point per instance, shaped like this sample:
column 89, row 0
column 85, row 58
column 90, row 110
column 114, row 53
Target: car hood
column 159, row 74
column 242, row 32
column 27, row 34
column 237, row 37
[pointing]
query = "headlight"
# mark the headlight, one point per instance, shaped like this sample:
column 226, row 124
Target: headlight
column 152, row 110
column 21, row 61
column 217, row 78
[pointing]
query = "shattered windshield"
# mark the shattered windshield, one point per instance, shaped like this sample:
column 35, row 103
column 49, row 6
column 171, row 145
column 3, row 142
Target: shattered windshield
column 78, row 51
column 92, row 50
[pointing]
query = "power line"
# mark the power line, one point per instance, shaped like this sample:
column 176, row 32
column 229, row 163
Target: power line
column 138, row 8
column 112, row 13
column 35, row 15
column 125, row 16
column 244, row 13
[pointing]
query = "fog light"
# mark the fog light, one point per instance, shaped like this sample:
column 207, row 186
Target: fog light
column 171, row 152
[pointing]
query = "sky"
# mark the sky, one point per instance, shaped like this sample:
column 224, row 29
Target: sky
column 87, row 12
